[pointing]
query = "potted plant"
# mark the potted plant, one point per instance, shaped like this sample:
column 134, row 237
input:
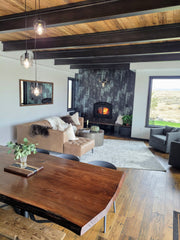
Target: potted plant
column 22, row 150
column 127, row 120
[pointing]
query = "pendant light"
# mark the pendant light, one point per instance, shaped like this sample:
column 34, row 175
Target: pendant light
column 26, row 58
column 36, row 89
column 39, row 25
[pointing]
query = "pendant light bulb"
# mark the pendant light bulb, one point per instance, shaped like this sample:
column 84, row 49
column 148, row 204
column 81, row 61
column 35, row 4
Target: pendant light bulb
column 36, row 91
column 26, row 63
column 26, row 59
column 39, row 26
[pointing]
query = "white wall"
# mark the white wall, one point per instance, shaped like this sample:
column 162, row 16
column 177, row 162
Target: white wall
column 11, row 113
column 143, row 72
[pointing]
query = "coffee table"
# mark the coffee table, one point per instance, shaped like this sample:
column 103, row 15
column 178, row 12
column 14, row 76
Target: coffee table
column 72, row 194
column 97, row 136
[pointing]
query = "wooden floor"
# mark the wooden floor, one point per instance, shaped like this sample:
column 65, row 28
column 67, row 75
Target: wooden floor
column 144, row 207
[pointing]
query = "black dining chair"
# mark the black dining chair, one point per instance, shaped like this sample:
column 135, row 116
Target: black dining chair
column 65, row 156
column 106, row 165
column 40, row 150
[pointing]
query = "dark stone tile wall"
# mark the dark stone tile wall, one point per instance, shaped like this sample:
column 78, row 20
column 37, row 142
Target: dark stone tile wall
column 119, row 91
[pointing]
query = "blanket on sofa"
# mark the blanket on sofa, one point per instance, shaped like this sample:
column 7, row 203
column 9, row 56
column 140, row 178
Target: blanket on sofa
column 57, row 123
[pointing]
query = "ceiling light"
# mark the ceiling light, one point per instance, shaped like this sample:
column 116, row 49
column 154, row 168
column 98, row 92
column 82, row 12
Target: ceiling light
column 39, row 25
column 26, row 59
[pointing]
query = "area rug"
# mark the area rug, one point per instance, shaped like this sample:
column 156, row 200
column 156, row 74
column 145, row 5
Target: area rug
column 176, row 225
column 124, row 154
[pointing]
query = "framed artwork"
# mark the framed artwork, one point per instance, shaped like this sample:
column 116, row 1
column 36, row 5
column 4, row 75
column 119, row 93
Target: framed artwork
column 27, row 96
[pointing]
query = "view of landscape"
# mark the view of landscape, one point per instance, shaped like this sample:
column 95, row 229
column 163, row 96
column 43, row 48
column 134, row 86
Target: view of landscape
column 165, row 102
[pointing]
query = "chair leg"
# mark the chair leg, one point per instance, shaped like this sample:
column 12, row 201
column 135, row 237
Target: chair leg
column 38, row 221
column 114, row 205
column 4, row 205
column 105, row 218
column 26, row 214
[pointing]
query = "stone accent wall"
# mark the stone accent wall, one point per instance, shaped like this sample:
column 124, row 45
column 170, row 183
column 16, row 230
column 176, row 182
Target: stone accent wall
column 119, row 91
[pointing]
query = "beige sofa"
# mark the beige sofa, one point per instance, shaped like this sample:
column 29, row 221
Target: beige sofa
column 56, row 141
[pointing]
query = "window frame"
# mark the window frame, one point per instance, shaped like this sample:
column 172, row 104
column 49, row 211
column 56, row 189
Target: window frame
column 149, row 98
column 73, row 94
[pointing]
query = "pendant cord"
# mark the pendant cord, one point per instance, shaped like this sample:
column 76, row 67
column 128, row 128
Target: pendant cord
column 39, row 10
column 26, row 25
column 35, row 54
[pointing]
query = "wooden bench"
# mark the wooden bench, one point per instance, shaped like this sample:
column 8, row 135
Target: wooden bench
column 16, row 227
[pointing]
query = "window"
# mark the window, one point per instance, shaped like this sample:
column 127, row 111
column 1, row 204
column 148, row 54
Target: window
column 163, row 106
column 70, row 94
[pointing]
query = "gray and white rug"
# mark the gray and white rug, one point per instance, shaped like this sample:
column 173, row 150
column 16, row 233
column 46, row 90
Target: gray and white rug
column 125, row 154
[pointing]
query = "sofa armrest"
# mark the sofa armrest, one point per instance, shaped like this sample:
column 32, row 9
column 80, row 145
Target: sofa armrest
column 171, row 136
column 53, row 142
column 156, row 131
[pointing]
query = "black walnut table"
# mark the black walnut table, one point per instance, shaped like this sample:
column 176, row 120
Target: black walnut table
column 70, row 193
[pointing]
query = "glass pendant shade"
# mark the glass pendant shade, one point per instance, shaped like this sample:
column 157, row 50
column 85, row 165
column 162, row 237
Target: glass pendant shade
column 36, row 90
column 26, row 59
column 39, row 26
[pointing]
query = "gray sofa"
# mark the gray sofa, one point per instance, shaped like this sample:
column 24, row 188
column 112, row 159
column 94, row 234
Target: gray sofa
column 161, row 138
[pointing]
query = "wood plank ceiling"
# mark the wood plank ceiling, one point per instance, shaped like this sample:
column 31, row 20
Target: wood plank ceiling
column 95, row 33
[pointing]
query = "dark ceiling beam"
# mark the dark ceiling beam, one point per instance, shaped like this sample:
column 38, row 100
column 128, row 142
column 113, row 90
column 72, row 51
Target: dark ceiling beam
column 162, row 32
column 153, row 48
column 104, row 66
column 87, row 11
column 118, row 59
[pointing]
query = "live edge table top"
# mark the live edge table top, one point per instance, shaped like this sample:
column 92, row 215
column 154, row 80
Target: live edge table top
column 72, row 194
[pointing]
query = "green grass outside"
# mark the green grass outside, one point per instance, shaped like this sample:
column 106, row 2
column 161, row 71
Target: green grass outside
column 162, row 123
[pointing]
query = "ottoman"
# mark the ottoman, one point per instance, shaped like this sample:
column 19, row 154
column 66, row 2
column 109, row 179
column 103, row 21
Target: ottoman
column 79, row 147
column 97, row 136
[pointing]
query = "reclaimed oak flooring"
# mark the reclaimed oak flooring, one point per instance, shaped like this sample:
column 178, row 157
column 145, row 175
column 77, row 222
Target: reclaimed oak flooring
column 144, row 207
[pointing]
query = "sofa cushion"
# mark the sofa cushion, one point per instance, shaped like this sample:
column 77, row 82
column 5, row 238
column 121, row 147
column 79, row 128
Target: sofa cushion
column 168, row 129
column 75, row 118
column 159, row 139
column 70, row 133
column 175, row 130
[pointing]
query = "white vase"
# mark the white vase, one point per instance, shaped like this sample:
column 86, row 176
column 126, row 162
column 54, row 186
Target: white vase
column 23, row 161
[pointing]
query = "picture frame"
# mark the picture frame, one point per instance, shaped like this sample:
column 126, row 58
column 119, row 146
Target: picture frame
column 27, row 97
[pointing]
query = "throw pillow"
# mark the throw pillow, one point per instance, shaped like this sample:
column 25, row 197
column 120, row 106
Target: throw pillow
column 75, row 118
column 175, row 130
column 119, row 120
column 68, row 119
column 62, row 125
column 70, row 133
column 167, row 129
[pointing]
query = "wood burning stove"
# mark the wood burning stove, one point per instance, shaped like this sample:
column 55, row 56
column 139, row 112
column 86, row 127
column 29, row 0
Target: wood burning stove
column 103, row 110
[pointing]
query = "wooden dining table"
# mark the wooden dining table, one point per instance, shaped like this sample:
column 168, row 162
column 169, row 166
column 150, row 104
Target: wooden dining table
column 72, row 194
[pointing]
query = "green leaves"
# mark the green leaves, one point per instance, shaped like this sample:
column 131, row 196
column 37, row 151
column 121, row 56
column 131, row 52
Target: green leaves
column 22, row 149
column 127, row 119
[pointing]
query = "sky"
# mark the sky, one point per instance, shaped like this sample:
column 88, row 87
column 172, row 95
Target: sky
column 170, row 84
